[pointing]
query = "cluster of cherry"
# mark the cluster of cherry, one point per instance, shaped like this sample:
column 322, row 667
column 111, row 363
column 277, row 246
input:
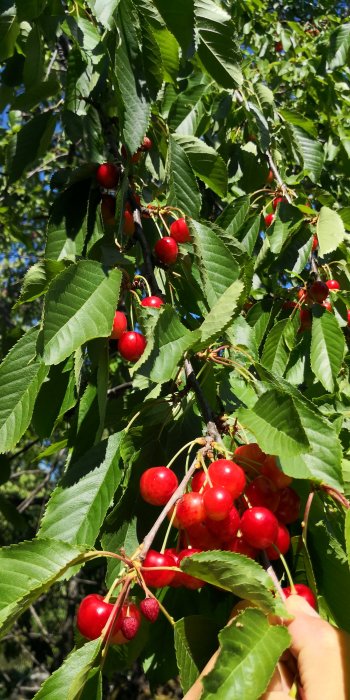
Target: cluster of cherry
column 94, row 613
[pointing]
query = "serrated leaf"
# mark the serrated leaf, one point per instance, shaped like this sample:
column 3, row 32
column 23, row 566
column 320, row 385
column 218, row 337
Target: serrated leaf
column 327, row 347
column 169, row 50
column 275, row 353
column 299, row 120
column 9, row 30
column 195, row 642
column 205, row 162
column 78, row 505
column 38, row 278
column 330, row 230
column 183, row 192
column 20, row 380
column 72, row 675
column 104, row 11
column 217, row 47
column 311, row 153
column 79, row 306
column 339, row 47
column 218, row 268
column 152, row 58
column 265, row 95
column 35, row 94
column 28, row 570
column 221, row 314
column 235, row 573
column 233, row 216
column 179, row 19
column 56, row 396
column 288, row 220
column 31, row 144
column 249, row 650
column 33, row 65
column 65, row 233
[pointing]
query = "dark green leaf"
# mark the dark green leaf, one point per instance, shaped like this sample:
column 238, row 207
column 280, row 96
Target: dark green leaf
column 195, row 642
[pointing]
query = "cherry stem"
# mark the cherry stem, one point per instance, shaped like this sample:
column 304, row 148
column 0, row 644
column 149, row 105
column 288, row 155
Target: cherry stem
column 149, row 594
column 273, row 576
column 304, row 524
column 336, row 495
column 108, row 628
column 140, row 237
column 182, row 449
column 287, row 570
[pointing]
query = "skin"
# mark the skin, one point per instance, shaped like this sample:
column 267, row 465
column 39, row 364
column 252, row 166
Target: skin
column 319, row 657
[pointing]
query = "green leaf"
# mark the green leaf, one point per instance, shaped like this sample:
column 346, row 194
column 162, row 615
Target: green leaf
column 20, row 380
column 152, row 58
column 78, row 505
column 206, row 163
column 221, row 314
column 287, row 222
column 179, row 19
column 276, row 424
column 300, row 120
column 249, row 650
column 29, row 9
column 56, row 396
column 218, row 268
column 327, row 347
column 217, row 47
column 235, row 573
column 34, row 64
column 65, row 234
column 233, row 216
column 339, row 47
column 169, row 50
column 330, row 230
column 38, row 278
column 28, row 570
column 183, row 192
column 9, row 29
column 72, row 675
column 79, row 306
column 311, row 153
column 195, row 642
column 37, row 93
column 104, row 11
column 32, row 143
column 275, row 354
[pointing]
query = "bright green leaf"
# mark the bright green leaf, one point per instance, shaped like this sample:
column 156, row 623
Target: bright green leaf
column 72, row 675
column 330, row 230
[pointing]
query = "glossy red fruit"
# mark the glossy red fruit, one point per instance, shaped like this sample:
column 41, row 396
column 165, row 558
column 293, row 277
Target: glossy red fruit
column 217, row 502
column 185, row 579
column 270, row 177
column 250, row 457
column 131, row 345
column 108, row 209
column 241, row 546
column 277, row 200
column 304, row 591
column 120, row 325
column 153, row 302
column 146, row 144
column 288, row 509
column 201, row 536
column 348, row 316
column 190, row 510
column 174, row 555
column 314, row 243
column 129, row 223
column 271, row 470
column 278, row 46
column 150, row 609
column 305, row 319
column 157, row 578
column 107, row 175
column 327, row 305
column 259, row 527
column 269, row 218
column 224, row 472
column 288, row 304
column 263, row 492
column 333, row 285
column 180, row 231
column 166, row 250
column 157, row 485
column 225, row 530
column 319, row 291
column 199, row 480
column 282, row 543
column 127, row 625
column 92, row 615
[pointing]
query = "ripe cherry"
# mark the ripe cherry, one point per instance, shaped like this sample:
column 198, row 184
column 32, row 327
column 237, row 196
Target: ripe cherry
column 180, row 231
column 224, row 472
column 150, row 609
column 166, row 250
column 288, row 509
column 241, row 546
column 319, row 291
column 348, row 317
column 269, row 218
column 270, row 177
column 199, row 480
column 250, row 457
column 92, row 615
column 277, row 200
column 146, row 144
column 120, row 325
column 259, row 527
column 129, row 223
column 131, row 345
column 201, row 536
column 157, row 578
column 225, row 530
column 263, row 492
column 153, row 302
column 108, row 209
column 107, row 175
column 217, row 502
column 327, row 305
column 157, row 485
column 305, row 320
column 186, row 579
column 314, row 243
column 333, row 285
column 271, row 470
column 278, row 46
column 302, row 590
column 190, row 510
column 282, row 543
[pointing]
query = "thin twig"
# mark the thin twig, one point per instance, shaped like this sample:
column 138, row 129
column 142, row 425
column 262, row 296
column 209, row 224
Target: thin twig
column 115, row 390
column 204, row 407
column 27, row 501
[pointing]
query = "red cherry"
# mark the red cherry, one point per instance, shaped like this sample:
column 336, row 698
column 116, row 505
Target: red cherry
column 127, row 625
column 157, row 578
column 225, row 530
column 153, row 302
column 131, row 345
column 305, row 320
column 129, row 223
column 250, row 457
column 201, row 536
column 186, row 580
column 263, row 492
column 278, row 46
column 180, row 231
column 108, row 209
column 319, row 291
column 217, row 502
column 166, row 250
column 92, row 615
column 240, row 546
column 269, row 218
column 348, row 316
column 314, row 243
column 259, row 527
column 277, row 200
column 146, row 144
column 289, row 304
column 333, row 285
column 327, row 305
column 270, row 177
column 304, row 297
column 120, row 325
column 107, row 175
column 224, row 472
column 190, row 510
column 282, row 543
column 174, row 555
column 288, row 509
column 150, row 609
column 304, row 591
column 157, row 485
column 199, row 479
column 271, row 470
